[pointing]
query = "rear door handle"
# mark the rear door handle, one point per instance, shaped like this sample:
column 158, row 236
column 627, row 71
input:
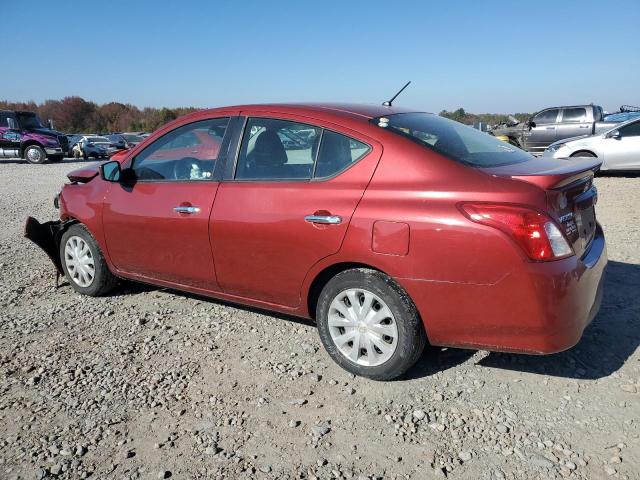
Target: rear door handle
column 326, row 219
column 186, row 209
column 551, row 128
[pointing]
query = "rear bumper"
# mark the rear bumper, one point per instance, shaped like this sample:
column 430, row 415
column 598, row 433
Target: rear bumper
column 539, row 309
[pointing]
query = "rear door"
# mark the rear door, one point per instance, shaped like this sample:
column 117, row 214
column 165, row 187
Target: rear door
column 286, row 204
column 543, row 133
column 574, row 121
column 623, row 153
column 158, row 227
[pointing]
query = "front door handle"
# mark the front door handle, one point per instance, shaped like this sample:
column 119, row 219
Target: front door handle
column 326, row 219
column 551, row 128
column 186, row 209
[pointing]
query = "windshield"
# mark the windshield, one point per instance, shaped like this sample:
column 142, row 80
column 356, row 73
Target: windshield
column 453, row 140
column 29, row 120
column 97, row 140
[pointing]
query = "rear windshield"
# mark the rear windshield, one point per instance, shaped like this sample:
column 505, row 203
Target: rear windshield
column 453, row 140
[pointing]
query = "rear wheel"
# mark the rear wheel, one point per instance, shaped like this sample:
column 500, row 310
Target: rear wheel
column 584, row 153
column 83, row 263
column 35, row 154
column 369, row 325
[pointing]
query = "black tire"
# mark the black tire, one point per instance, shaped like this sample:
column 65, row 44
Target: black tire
column 38, row 156
column 85, row 156
column 584, row 154
column 56, row 158
column 103, row 281
column 411, row 335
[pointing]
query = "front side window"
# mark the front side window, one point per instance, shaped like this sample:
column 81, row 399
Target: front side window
column 631, row 130
column 188, row 153
column 337, row 152
column 548, row 116
column 452, row 139
column 277, row 150
column 574, row 115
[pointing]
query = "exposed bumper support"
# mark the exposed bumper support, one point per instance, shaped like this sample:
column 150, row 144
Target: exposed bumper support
column 47, row 237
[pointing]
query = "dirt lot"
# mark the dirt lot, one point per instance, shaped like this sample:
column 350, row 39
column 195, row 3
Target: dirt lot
column 151, row 383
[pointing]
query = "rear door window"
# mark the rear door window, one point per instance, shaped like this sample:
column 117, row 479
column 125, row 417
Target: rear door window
column 574, row 115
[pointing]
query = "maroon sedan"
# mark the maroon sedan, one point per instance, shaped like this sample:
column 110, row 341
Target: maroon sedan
column 388, row 227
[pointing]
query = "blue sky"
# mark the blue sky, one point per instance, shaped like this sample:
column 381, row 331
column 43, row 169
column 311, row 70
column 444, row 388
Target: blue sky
column 481, row 55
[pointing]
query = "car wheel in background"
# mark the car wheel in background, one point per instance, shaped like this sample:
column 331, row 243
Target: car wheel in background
column 35, row 154
column 83, row 263
column 85, row 156
column 584, row 153
column 369, row 325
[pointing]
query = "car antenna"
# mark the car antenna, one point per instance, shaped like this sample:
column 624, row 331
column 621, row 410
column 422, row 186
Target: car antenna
column 389, row 102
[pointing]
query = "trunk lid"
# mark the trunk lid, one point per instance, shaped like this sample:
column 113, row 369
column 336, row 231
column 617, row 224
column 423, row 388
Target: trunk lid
column 570, row 193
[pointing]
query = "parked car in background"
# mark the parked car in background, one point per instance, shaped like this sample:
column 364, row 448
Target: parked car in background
column 73, row 139
column 125, row 140
column 22, row 135
column 389, row 228
column 93, row 146
column 617, row 148
column 621, row 117
column 553, row 124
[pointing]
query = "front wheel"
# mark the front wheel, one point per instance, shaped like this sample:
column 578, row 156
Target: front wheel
column 83, row 263
column 35, row 154
column 369, row 325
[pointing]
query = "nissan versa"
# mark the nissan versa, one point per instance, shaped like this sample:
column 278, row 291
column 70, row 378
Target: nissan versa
column 389, row 227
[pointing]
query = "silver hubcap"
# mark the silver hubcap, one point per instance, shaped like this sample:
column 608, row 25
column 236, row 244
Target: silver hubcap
column 79, row 261
column 362, row 327
column 34, row 155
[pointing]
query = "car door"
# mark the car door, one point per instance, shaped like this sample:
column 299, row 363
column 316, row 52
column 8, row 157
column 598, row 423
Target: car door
column 157, row 227
column 9, row 135
column 543, row 133
column 287, row 204
column 573, row 122
column 623, row 152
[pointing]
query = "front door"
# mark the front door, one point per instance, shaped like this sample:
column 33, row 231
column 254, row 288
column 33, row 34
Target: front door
column 287, row 205
column 158, row 226
column 543, row 133
column 623, row 153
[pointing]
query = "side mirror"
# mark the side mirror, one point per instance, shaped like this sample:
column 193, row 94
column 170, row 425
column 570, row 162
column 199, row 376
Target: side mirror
column 615, row 134
column 531, row 124
column 110, row 171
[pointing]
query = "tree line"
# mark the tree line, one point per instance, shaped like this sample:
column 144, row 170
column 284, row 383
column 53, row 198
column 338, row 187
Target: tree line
column 76, row 115
column 460, row 115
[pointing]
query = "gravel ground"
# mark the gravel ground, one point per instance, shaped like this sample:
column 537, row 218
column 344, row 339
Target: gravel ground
column 151, row 383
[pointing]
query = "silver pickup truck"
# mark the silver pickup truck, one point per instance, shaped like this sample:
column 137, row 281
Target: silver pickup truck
column 553, row 124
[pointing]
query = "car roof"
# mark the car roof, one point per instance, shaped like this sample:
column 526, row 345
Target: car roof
column 354, row 111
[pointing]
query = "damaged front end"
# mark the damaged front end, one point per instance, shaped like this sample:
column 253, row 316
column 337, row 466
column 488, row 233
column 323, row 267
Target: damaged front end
column 47, row 237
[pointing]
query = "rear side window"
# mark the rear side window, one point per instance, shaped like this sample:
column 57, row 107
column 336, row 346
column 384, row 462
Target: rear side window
column 337, row 152
column 548, row 116
column 574, row 115
column 453, row 140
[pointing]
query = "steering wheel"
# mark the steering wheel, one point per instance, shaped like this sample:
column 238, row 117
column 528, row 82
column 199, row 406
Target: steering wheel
column 182, row 168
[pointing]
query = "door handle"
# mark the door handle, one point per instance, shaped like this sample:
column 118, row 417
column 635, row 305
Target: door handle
column 551, row 128
column 186, row 209
column 326, row 219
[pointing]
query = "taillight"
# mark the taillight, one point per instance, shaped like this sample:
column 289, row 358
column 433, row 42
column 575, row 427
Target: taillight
column 537, row 235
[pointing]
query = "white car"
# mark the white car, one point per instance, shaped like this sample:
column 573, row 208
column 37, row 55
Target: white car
column 618, row 147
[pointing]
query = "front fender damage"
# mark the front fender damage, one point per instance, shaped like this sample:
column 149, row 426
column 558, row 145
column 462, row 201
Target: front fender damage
column 47, row 236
